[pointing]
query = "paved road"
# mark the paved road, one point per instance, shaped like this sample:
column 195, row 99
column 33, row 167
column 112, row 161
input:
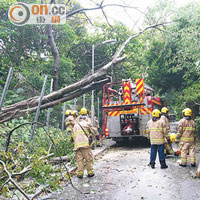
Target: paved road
column 122, row 174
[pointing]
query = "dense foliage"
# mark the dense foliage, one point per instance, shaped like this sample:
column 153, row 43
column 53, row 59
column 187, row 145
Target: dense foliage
column 167, row 58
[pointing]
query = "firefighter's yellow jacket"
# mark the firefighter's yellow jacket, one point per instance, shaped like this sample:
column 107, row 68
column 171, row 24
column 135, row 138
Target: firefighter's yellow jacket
column 80, row 137
column 156, row 131
column 68, row 122
column 186, row 131
column 166, row 121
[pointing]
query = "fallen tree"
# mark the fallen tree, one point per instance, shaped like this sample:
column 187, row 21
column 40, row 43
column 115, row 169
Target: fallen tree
column 88, row 83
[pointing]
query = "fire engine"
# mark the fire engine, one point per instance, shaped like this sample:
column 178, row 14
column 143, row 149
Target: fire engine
column 127, row 107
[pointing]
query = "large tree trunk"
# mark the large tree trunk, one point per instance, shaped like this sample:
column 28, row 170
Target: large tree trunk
column 67, row 93
column 55, row 53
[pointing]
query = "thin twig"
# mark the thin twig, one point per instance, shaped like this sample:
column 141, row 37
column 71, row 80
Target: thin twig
column 88, row 18
column 104, row 14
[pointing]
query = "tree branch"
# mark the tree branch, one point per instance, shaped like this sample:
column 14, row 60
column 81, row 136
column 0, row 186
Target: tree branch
column 11, row 180
column 55, row 54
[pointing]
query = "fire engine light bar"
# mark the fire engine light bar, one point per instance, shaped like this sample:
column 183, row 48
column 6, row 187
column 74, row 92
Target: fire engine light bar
column 125, row 105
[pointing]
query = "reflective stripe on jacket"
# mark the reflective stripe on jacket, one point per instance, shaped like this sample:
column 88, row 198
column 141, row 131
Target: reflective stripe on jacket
column 157, row 131
column 186, row 130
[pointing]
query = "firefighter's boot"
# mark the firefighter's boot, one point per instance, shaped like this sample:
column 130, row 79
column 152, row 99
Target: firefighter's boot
column 153, row 165
column 90, row 175
column 193, row 165
column 163, row 165
column 182, row 165
column 79, row 174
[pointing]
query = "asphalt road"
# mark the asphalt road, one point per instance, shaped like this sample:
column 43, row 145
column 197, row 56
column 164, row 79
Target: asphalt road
column 122, row 174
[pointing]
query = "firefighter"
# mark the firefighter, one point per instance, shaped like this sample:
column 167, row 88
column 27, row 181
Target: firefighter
column 157, row 131
column 84, row 115
column 82, row 136
column 75, row 114
column 69, row 122
column 165, row 118
column 187, row 135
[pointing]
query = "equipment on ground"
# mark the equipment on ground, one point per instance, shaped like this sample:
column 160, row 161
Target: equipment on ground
column 173, row 137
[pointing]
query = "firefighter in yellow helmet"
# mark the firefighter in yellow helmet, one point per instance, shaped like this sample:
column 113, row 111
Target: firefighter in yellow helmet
column 84, row 115
column 157, row 131
column 187, row 135
column 69, row 121
column 83, row 132
column 165, row 118
column 75, row 114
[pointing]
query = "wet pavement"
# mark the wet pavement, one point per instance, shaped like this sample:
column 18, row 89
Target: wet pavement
column 121, row 173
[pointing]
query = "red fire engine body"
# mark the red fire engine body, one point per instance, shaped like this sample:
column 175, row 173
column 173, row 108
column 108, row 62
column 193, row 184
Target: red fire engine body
column 127, row 107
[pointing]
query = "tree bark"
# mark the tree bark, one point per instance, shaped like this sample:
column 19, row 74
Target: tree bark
column 55, row 53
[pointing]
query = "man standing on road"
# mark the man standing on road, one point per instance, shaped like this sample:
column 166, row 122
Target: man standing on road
column 82, row 136
column 187, row 135
column 157, row 131
column 165, row 118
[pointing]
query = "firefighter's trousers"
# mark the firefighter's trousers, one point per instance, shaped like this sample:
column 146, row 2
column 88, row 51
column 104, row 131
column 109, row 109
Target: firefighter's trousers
column 81, row 155
column 154, row 149
column 185, row 149
column 168, row 148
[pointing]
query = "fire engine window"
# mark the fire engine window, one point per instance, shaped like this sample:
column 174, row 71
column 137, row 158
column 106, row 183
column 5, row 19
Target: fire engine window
column 135, row 97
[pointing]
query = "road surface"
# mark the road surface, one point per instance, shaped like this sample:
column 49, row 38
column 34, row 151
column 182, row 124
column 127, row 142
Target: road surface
column 122, row 173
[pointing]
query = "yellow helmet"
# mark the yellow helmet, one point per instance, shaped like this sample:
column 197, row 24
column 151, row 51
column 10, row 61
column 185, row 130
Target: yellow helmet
column 173, row 137
column 74, row 112
column 183, row 111
column 68, row 112
column 83, row 111
column 164, row 110
column 187, row 112
column 156, row 113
